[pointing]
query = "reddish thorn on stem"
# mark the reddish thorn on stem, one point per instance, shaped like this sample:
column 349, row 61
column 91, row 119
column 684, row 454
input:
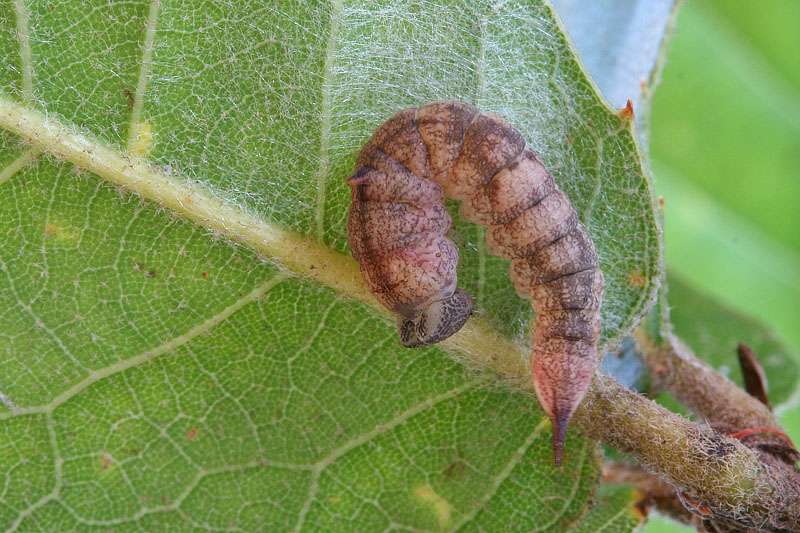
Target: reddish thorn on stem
column 697, row 507
column 760, row 429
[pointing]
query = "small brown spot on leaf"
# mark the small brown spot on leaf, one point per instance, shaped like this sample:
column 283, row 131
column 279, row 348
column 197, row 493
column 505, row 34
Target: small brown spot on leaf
column 148, row 272
column 455, row 468
column 58, row 232
column 106, row 463
column 204, row 275
column 636, row 278
column 192, row 434
column 131, row 98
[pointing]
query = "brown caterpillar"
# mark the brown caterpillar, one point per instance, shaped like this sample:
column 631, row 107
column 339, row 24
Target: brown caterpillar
column 397, row 227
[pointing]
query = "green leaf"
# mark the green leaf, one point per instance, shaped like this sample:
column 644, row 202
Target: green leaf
column 617, row 511
column 157, row 375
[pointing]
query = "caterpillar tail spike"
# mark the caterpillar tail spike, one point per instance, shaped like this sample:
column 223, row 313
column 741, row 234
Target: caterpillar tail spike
column 560, row 388
column 560, row 424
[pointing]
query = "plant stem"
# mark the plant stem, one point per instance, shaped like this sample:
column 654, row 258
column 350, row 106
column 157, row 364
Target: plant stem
column 699, row 387
column 729, row 480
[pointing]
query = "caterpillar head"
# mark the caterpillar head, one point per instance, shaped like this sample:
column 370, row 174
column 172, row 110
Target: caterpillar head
column 439, row 320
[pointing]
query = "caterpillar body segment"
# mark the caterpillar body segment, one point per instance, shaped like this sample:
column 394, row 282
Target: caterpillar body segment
column 397, row 225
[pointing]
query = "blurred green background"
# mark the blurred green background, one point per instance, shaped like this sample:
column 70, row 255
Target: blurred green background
column 725, row 152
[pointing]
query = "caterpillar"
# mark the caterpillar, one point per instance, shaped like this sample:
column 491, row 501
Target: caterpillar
column 397, row 224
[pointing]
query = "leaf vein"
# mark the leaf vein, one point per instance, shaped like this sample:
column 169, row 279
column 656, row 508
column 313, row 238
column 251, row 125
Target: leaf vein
column 146, row 356
column 144, row 72
column 325, row 116
column 23, row 35
column 18, row 164
column 586, row 446
column 612, row 518
column 516, row 457
column 320, row 466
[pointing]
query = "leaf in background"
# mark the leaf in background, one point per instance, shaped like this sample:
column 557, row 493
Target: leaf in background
column 620, row 42
column 618, row 511
column 156, row 376
column 726, row 148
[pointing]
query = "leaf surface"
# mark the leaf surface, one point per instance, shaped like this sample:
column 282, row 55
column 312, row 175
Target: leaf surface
column 157, row 375
column 618, row 511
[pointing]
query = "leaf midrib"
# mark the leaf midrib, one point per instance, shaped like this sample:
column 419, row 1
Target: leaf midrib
column 482, row 345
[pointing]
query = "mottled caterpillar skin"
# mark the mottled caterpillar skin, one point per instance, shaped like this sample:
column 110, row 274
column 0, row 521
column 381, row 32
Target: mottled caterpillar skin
column 397, row 227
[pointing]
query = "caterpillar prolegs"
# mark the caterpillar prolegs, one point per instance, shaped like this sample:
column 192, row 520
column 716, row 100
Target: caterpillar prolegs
column 397, row 227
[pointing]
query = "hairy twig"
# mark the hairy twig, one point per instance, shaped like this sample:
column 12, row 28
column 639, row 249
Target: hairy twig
column 770, row 477
column 699, row 387
column 718, row 475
